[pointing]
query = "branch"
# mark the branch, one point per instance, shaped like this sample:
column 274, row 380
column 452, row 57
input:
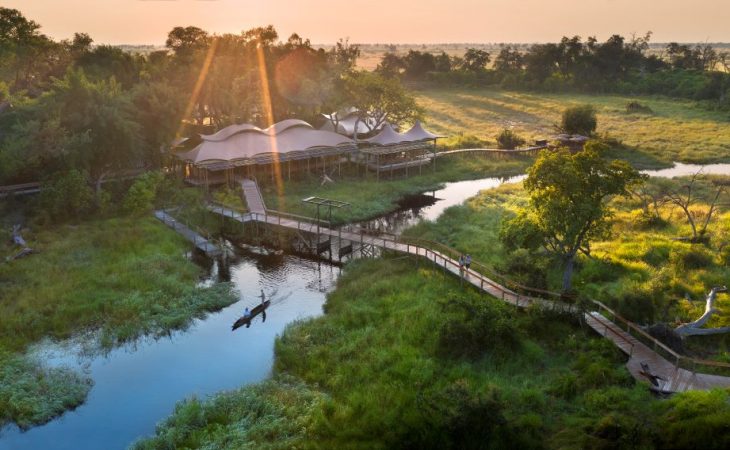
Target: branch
column 693, row 328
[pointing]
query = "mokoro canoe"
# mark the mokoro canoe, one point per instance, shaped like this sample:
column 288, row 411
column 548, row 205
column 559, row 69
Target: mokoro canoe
column 258, row 309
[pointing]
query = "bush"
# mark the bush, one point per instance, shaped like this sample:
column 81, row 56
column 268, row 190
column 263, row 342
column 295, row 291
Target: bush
column 638, row 108
column 508, row 140
column 579, row 120
column 472, row 328
column 66, row 195
column 141, row 195
column 689, row 258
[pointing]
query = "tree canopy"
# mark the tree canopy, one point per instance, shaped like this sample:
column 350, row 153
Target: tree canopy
column 568, row 208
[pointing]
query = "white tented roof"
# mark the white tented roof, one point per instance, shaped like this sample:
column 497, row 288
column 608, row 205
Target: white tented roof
column 418, row 133
column 388, row 136
column 245, row 141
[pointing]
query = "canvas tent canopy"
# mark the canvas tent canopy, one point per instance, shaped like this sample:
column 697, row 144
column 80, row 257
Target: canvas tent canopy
column 390, row 141
column 246, row 144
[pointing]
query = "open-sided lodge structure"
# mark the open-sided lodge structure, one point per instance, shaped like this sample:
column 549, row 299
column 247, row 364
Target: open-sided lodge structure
column 389, row 151
column 293, row 145
column 289, row 145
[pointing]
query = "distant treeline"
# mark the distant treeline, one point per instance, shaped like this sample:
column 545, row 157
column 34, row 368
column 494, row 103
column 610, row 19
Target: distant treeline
column 621, row 65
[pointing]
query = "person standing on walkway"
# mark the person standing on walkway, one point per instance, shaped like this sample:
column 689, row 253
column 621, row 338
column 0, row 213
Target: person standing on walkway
column 461, row 264
column 467, row 263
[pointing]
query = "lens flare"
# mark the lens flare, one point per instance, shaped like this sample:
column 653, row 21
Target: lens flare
column 269, row 116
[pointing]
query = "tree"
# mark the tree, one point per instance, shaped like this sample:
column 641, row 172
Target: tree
column 508, row 60
column 379, row 100
column 98, row 118
column 579, row 120
column 509, row 140
column 185, row 41
column 569, row 196
column 475, row 60
column 685, row 197
column 391, row 65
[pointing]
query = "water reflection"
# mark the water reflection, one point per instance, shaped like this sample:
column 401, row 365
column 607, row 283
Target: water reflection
column 138, row 385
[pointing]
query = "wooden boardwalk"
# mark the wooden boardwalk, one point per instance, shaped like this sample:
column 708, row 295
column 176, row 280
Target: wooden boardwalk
column 251, row 192
column 199, row 241
column 494, row 151
column 675, row 378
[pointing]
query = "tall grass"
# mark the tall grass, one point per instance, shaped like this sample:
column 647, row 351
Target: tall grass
column 376, row 365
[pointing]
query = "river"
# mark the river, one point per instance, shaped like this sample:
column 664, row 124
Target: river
column 136, row 386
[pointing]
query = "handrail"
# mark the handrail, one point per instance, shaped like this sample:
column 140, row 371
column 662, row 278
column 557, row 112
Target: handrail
column 445, row 255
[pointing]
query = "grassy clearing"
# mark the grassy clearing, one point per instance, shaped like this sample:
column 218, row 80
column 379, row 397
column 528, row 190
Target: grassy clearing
column 678, row 130
column 120, row 277
column 370, row 198
column 642, row 270
column 386, row 367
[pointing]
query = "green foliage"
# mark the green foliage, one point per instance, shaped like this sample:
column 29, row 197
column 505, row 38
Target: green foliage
column 471, row 328
column 696, row 420
column 509, row 140
column 579, row 119
column 123, row 277
column 275, row 414
column 569, row 196
column 66, row 195
column 32, row 395
column 141, row 195
column 638, row 108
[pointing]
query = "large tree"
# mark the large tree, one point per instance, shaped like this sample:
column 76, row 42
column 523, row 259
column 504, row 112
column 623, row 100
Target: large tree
column 379, row 100
column 569, row 196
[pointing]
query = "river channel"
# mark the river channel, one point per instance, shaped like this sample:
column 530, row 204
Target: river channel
column 136, row 386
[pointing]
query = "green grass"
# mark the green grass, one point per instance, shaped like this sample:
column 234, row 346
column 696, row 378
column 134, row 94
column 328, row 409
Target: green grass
column 31, row 394
column 119, row 278
column 370, row 198
column 376, row 372
column 642, row 271
column 678, row 130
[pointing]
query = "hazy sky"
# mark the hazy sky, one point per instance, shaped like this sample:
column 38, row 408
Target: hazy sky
column 385, row 21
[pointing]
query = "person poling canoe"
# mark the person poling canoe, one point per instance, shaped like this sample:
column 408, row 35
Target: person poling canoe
column 248, row 315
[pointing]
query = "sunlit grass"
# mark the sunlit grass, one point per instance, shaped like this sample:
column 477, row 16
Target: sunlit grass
column 678, row 130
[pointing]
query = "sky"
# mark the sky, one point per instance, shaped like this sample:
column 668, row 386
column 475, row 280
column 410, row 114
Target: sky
column 385, row 21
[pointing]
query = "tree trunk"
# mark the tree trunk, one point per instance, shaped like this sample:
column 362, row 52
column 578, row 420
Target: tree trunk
column 568, row 273
column 97, row 189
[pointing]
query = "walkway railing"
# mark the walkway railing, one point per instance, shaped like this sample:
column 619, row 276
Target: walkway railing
column 507, row 290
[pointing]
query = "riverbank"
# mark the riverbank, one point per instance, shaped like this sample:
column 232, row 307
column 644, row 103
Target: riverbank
column 111, row 279
column 406, row 358
column 642, row 270
column 370, row 198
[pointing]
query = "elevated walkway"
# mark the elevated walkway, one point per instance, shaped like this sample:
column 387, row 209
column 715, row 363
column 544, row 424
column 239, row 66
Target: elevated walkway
column 675, row 378
column 199, row 241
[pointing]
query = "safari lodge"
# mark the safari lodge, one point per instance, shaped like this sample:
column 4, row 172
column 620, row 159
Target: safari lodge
column 294, row 146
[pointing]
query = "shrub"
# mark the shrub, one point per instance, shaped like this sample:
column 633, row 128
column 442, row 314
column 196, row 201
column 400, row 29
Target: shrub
column 141, row 195
column 687, row 258
column 471, row 328
column 66, row 195
column 636, row 107
column 579, row 120
column 509, row 140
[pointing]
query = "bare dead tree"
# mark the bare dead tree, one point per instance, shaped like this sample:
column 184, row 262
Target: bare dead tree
column 686, row 199
column 695, row 328
column 652, row 199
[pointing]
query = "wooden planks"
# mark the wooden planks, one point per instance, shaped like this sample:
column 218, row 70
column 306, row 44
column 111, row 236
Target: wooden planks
column 199, row 241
